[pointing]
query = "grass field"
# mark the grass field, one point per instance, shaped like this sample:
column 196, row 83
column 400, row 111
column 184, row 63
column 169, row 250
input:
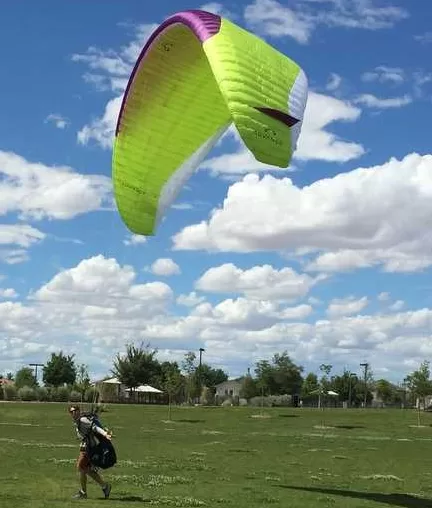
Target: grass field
column 222, row 457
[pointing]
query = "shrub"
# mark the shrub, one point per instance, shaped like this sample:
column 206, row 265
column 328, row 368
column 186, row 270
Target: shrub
column 27, row 393
column 90, row 395
column 10, row 392
column 75, row 396
column 260, row 401
column 42, row 394
column 61, row 394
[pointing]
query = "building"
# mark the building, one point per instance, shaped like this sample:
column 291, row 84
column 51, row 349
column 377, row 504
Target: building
column 230, row 388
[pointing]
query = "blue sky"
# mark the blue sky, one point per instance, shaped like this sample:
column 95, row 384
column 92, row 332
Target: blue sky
column 332, row 264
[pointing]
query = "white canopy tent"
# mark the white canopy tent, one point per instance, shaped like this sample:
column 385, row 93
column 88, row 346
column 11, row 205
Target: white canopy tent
column 144, row 389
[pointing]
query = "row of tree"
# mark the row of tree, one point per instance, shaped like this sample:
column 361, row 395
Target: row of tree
column 192, row 380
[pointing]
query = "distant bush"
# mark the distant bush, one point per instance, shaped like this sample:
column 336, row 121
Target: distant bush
column 10, row 392
column 227, row 402
column 61, row 394
column 75, row 396
column 42, row 394
column 27, row 393
column 260, row 401
column 280, row 400
column 90, row 395
column 271, row 401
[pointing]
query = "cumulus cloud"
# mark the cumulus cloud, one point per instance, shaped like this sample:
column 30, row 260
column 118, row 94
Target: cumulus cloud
column 165, row 267
column 384, row 74
column 190, row 300
column 135, row 240
column 269, row 17
column 8, row 293
column 371, row 101
column 101, row 130
column 97, row 307
column 258, row 282
column 424, row 38
column 219, row 9
column 58, row 120
column 339, row 307
column 362, row 218
column 334, row 82
column 37, row 191
column 15, row 240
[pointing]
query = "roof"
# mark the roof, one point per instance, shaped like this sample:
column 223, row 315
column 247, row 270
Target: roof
column 145, row 389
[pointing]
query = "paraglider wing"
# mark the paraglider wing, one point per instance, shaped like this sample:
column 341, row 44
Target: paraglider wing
column 196, row 75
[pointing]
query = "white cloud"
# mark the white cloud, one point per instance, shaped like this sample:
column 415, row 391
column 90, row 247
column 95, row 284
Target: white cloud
column 397, row 305
column 425, row 38
column 97, row 306
column 368, row 216
column 272, row 18
column 371, row 101
column 315, row 141
column 8, row 293
column 165, row 267
column 99, row 286
column 248, row 314
column 102, row 129
column 58, row 120
column 15, row 239
column 259, row 282
column 384, row 296
column 334, row 82
column 339, row 307
column 219, row 9
column 36, row 191
column 384, row 74
column 190, row 300
column 135, row 240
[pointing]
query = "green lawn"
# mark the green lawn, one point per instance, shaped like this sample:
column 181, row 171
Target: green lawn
column 222, row 457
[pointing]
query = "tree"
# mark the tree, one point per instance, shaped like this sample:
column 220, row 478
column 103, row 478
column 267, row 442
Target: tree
column 172, row 382
column 59, row 370
column 346, row 386
column 137, row 367
column 281, row 376
column 310, row 385
column 82, row 383
column 386, row 391
column 25, row 377
column 189, row 367
column 249, row 388
column 419, row 384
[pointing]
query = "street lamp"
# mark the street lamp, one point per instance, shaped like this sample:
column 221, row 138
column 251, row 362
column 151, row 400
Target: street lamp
column 201, row 351
column 365, row 365
column 351, row 375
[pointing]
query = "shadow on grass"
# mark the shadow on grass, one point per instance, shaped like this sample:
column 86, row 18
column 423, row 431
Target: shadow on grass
column 402, row 500
column 131, row 499
column 289, row 416
column 349, row 427
column 187, row 420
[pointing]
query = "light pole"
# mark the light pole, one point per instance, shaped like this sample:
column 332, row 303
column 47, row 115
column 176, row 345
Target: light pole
column 36, row 365
column 201, row 351
column 365, row 366
column 351, row 375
